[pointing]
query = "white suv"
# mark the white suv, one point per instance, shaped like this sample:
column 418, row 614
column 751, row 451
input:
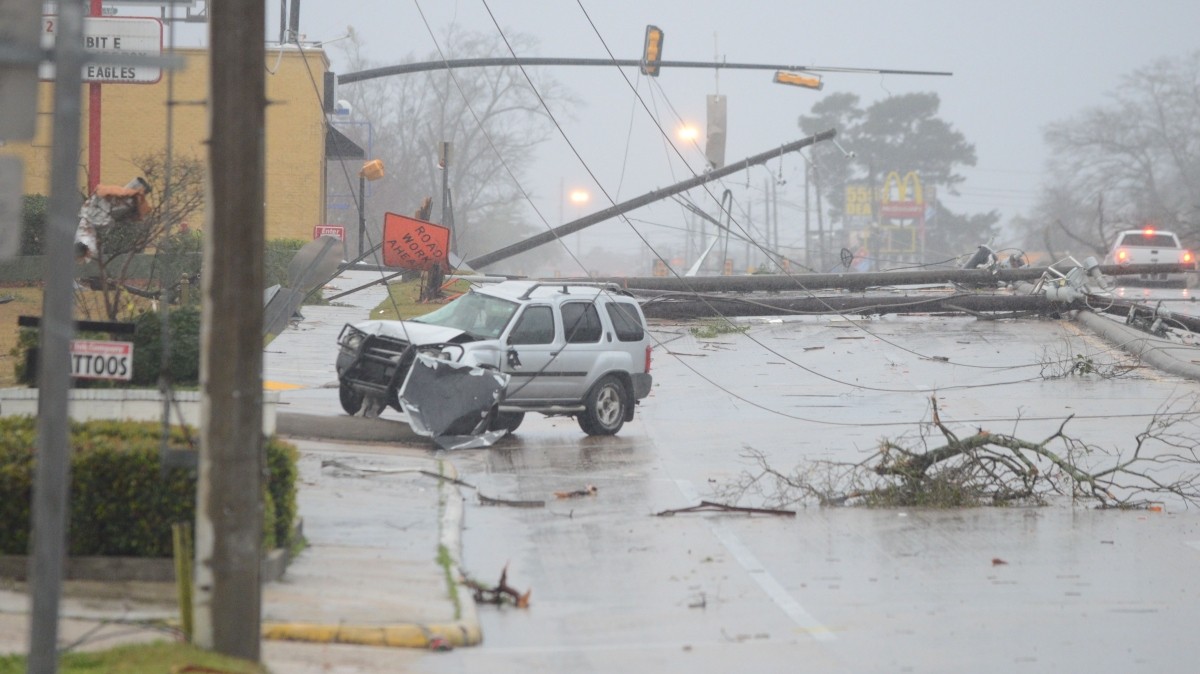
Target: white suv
column 1150, row 246
column 572, row 349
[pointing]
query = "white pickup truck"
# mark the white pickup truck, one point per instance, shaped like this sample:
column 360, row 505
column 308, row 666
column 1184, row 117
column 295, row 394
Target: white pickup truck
column 1150, row 246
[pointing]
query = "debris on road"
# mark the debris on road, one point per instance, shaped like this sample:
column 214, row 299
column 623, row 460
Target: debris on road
column 998, row 469
column 334, row 463
column 489, row 500
column 499, row 595
column 589, row 491
column 709, row 506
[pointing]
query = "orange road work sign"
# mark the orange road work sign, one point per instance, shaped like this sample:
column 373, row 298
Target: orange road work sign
column 409, row 243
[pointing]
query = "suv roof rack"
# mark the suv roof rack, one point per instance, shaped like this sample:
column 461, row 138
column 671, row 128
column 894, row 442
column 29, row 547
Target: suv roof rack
column 605, row 285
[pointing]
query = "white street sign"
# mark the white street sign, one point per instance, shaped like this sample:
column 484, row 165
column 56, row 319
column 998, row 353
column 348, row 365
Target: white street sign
column 112, row 35
column 92, row 359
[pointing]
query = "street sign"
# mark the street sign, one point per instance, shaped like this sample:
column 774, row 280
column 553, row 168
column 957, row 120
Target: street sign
column 336, row 231
column 134, row 36
column 94, row 359
column 409, row 243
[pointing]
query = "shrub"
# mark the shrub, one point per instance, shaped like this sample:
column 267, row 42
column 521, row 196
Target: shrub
column 122, row 502
column 184, row 364
column 33, row 223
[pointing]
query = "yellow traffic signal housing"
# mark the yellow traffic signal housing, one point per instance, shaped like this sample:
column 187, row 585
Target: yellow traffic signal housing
column 372, row 170
column 799, row 80
column 652, row 53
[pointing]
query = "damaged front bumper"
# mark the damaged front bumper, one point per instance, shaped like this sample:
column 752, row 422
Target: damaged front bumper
column 453, row 403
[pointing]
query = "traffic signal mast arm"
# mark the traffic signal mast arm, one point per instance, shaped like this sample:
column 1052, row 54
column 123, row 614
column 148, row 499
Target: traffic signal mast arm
column 451, row 64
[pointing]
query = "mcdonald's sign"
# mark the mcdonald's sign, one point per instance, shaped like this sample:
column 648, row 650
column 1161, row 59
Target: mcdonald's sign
column 909, row 201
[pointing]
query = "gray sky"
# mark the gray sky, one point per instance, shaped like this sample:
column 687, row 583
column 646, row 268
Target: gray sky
column 1017, row 66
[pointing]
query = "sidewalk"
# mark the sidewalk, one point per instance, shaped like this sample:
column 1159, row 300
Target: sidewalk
column 376, row 527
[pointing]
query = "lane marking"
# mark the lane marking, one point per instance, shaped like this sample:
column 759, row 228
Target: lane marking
column 754, row 568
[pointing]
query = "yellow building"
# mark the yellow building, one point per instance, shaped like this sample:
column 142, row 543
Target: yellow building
column 134, row 123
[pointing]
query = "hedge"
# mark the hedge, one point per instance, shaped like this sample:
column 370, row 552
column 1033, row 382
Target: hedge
column 122, row 503
column 184, row 364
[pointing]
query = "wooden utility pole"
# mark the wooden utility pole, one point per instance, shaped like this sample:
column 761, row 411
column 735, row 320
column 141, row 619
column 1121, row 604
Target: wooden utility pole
column 229, row 509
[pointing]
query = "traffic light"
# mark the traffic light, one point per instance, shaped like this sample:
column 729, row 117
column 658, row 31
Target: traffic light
column 652, row 53
column 799, row 79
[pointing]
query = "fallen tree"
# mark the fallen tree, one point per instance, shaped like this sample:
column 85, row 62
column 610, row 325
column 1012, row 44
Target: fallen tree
column 987, row 468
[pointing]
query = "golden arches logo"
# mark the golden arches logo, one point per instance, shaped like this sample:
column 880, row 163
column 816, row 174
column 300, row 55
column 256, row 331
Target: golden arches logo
column 910, row 181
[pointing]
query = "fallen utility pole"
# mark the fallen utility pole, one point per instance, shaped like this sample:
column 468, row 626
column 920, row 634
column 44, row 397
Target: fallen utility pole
column 1120, row 307
column 637, row 202
column 859, row 280
column 684, row 307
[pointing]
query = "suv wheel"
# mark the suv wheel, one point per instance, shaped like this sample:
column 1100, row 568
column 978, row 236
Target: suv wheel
column 506, row 421
column 351, row 400
column 605, row 407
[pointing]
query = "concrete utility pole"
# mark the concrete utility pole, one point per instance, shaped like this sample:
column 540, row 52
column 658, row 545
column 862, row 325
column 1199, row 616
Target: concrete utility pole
column 229, row 510
column 637, row 202
column 50, row 493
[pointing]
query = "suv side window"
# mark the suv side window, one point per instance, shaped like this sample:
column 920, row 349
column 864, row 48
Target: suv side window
column 581, row 322
column 625, row 321
column 536, row 326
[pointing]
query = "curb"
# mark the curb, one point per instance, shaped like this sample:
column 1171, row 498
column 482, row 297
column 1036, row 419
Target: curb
column 345, row 427
column 465, row 631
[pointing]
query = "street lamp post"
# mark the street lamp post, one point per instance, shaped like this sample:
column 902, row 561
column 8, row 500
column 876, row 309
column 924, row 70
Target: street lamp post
column 372, row 170
column 578, row 197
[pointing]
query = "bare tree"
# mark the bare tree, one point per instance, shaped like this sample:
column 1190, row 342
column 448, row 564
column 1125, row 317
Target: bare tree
column 1162, row 462
column 1132, row 161
column 490, row 116
column 120, row 243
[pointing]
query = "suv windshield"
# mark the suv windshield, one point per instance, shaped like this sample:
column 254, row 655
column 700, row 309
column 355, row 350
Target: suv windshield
column 481, row 316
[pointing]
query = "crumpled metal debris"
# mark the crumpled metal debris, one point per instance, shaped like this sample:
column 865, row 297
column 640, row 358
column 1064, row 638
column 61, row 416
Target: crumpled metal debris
column 452, row 402
column 107, row 206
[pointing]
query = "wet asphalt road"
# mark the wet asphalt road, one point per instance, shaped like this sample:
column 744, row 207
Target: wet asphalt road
column 615, row 588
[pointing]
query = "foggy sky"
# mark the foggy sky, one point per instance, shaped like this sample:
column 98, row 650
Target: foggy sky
column 1017, row 66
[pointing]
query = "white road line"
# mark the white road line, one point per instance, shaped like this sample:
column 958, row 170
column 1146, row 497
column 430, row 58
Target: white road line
column 775, row 591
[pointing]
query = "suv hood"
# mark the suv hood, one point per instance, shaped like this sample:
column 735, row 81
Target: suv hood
column 411, row 331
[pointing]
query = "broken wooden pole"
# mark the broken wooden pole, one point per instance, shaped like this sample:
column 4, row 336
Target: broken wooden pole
column 861, row 280
column 691, row 306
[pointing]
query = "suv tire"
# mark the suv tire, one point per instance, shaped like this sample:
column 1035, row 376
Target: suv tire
column 605, row 407
column 352, row 401
column 506, row 421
